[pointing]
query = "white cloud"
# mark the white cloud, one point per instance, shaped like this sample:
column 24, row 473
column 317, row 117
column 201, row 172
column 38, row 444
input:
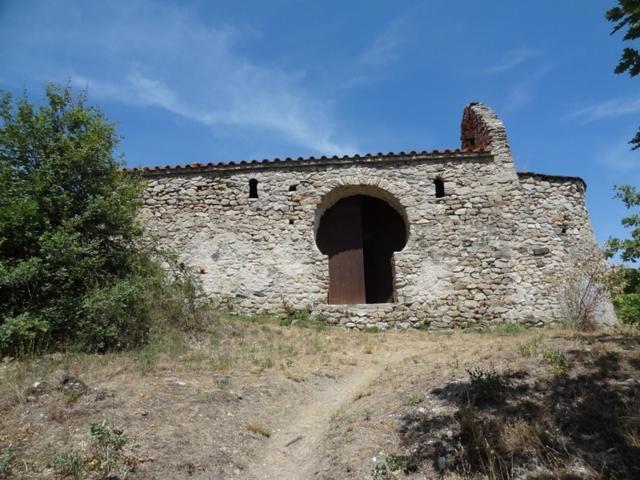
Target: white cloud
column 383, row 49
column 620, row 159
column 522, row 93
column 607, row 109
column 510, row 61
column 160, row 55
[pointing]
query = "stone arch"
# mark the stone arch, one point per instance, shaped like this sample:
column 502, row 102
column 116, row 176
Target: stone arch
column 351, row 186
column 359, row 228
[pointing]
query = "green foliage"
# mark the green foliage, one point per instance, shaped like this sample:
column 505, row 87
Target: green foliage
column 7, row 456
column 69, row 464
column 74, row 267
column 414, row 399
column 556, row 359
column 105, row 436
column 302, row 319
column 627, row 16
column 508, row 328
column 530, row 348
column 627, row 307
column 391, row 464
column 104, row 457
column 628, row 248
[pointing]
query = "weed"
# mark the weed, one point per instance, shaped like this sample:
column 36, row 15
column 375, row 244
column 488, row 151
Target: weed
column 508, row 328
column 69, row 464
column 105, row 436
column 530, row 348
column 302, row 319
column 423, row 325
column 456, row 362
column 486, row 385
column 371, row 329
column 148, row 357
column 222, row 362
column 264, row 363
column 483, row 444
column 414, row 399
column 108, row 443
column 7, row 456
column 259, row 428
column 223, row 382
column 556, row 359
column 391, row 464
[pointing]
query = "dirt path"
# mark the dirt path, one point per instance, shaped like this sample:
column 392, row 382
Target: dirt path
column 293, row 451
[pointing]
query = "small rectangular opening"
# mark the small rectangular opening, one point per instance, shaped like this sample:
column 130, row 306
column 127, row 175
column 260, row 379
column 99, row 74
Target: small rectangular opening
column 293, row 188
column 253, row 188
column 439, row 184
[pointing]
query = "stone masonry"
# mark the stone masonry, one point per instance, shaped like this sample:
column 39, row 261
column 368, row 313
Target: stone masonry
column 494, row 248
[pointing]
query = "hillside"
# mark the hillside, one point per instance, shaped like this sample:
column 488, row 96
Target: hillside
column 254, row 399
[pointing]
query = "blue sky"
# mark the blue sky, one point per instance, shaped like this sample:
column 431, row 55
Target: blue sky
column 200, row 81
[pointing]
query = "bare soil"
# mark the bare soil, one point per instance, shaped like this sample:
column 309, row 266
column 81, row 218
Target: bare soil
column 255, row 400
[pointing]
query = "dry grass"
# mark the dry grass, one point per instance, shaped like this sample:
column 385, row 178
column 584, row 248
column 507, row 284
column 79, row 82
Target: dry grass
column 259, row 428
column 180, row 399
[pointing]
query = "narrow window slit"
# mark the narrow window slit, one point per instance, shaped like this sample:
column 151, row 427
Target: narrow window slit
column 293, row 188
column 253, row 188
column 439, row 184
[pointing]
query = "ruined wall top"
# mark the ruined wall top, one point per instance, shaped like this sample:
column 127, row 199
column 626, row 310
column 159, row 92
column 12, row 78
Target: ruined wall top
column 481, row 128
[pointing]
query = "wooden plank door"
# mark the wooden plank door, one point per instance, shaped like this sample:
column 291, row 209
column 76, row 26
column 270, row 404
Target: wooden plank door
column 346, row 260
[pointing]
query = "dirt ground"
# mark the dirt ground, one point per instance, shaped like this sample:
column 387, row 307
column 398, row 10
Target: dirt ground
column 252, row 399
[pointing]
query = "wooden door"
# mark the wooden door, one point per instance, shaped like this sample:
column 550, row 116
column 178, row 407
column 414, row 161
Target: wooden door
column 341, row 238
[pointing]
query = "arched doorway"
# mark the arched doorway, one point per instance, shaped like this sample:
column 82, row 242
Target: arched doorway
column 359, row 234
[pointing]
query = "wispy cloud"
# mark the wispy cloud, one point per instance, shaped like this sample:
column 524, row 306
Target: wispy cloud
column 385, row 47
column 607, row 109
column 619, row 158
column 510, row 61
column 165, row 57
column 522, row 93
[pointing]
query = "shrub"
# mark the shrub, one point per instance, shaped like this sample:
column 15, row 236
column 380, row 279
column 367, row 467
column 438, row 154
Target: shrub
column 586, row 289
column 627, row 307
column 104, row 457
column 391, row 464
column 75, row 269
column 486, row 385
column 69, row 464
column 556, row 359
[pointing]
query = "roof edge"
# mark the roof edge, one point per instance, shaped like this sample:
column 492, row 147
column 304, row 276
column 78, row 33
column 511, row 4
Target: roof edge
column 560, row 178
column 380, row 157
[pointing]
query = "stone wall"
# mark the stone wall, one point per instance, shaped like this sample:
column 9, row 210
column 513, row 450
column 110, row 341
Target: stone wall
column 492, row 249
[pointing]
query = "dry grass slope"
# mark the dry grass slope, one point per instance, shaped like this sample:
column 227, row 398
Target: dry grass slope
column 251, row 396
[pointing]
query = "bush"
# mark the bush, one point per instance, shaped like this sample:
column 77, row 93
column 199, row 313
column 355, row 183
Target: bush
column 75, row 270
column 486, row 386
column 627, row 307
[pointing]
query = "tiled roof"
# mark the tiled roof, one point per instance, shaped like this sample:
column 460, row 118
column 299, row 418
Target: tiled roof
column 369, row 157
column 366, row 158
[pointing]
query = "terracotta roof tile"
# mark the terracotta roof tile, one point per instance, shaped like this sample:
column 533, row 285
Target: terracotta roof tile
column 471, row 152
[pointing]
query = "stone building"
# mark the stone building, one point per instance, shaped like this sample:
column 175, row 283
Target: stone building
column 439, row 239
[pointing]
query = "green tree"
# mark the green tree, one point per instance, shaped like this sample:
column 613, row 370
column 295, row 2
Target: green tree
column 628, row 248
column 74, row 267
column 627, row 16
column 627, row 302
